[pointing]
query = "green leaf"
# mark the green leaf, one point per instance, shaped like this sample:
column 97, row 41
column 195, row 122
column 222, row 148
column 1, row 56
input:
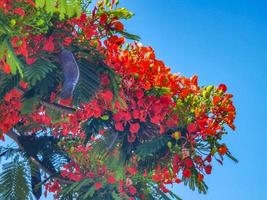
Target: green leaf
column 65, row 8
column 121, row 13
column 89, row 82
column 151, row 147
column 130, row 36
column 115, row 196
column 105, row 117
column 229, row 155
column 8, row 82
column 28, row 105
column 14, row 183
column 39, row 3
column 35, row 180
column 38, row 71
column 11, row 58
column 90, row 193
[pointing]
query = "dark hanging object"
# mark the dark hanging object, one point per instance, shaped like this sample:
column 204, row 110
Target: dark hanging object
column 71, row 73
column 35, row 182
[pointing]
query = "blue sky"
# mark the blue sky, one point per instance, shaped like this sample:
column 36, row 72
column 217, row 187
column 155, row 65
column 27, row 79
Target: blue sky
column 223, row 42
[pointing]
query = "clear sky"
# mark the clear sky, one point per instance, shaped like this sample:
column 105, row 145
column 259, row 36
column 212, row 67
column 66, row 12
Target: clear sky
column 223, row 42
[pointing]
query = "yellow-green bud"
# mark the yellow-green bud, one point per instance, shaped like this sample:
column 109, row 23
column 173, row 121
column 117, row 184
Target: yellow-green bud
column 209, row 88
column 176, row 135
column 72, row 149
column 40, row 22
column 213, row 150
column 13, row 22
column 169, row 144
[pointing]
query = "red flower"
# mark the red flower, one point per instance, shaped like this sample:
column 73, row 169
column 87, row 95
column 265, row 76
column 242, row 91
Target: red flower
column 67, row 41
column 23, row 84
column 41, row 118
column 188, row 163
column 216, row 100
column 145, row 174
column 31, row 3
column 134, row 127
column 114, row 42
column 187, row 173
column 111, row 180
column 208, row 158
column 83, row 18
column 119, row 126
column 164, row 189
column 49, row 45
column 14, row 93
column 200, row 177
column 192, row 128
column 222, row 150
column 98, row 185
column 222, row 87
column 208, row 169
column 156, row 178
column 132, row 190
column 6, row 68
column 103, row 19
column 107, row 95
column 139, row 94
column 118, row 26
column 132, row 170
column 177, row 180
column 19, row 11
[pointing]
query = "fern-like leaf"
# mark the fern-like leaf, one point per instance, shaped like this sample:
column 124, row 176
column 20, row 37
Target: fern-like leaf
column 14, row 184
column 8, row 82
column 89, row 82
column 150, row 148
column 38, row 71
column 63, row 7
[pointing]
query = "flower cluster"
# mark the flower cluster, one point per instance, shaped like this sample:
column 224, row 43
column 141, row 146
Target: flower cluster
column 10, row 108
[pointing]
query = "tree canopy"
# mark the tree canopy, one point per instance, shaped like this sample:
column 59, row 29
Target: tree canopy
column 93, row 113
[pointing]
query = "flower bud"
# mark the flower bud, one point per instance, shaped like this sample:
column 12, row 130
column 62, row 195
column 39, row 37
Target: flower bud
column 169, row 144
column 12, row 22
column 176, row 135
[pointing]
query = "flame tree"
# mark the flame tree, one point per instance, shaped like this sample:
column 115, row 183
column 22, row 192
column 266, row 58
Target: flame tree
column 95, row 117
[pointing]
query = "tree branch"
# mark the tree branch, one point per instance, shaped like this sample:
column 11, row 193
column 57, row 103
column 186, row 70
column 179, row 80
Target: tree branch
column 58, row 107
column 14, row 136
